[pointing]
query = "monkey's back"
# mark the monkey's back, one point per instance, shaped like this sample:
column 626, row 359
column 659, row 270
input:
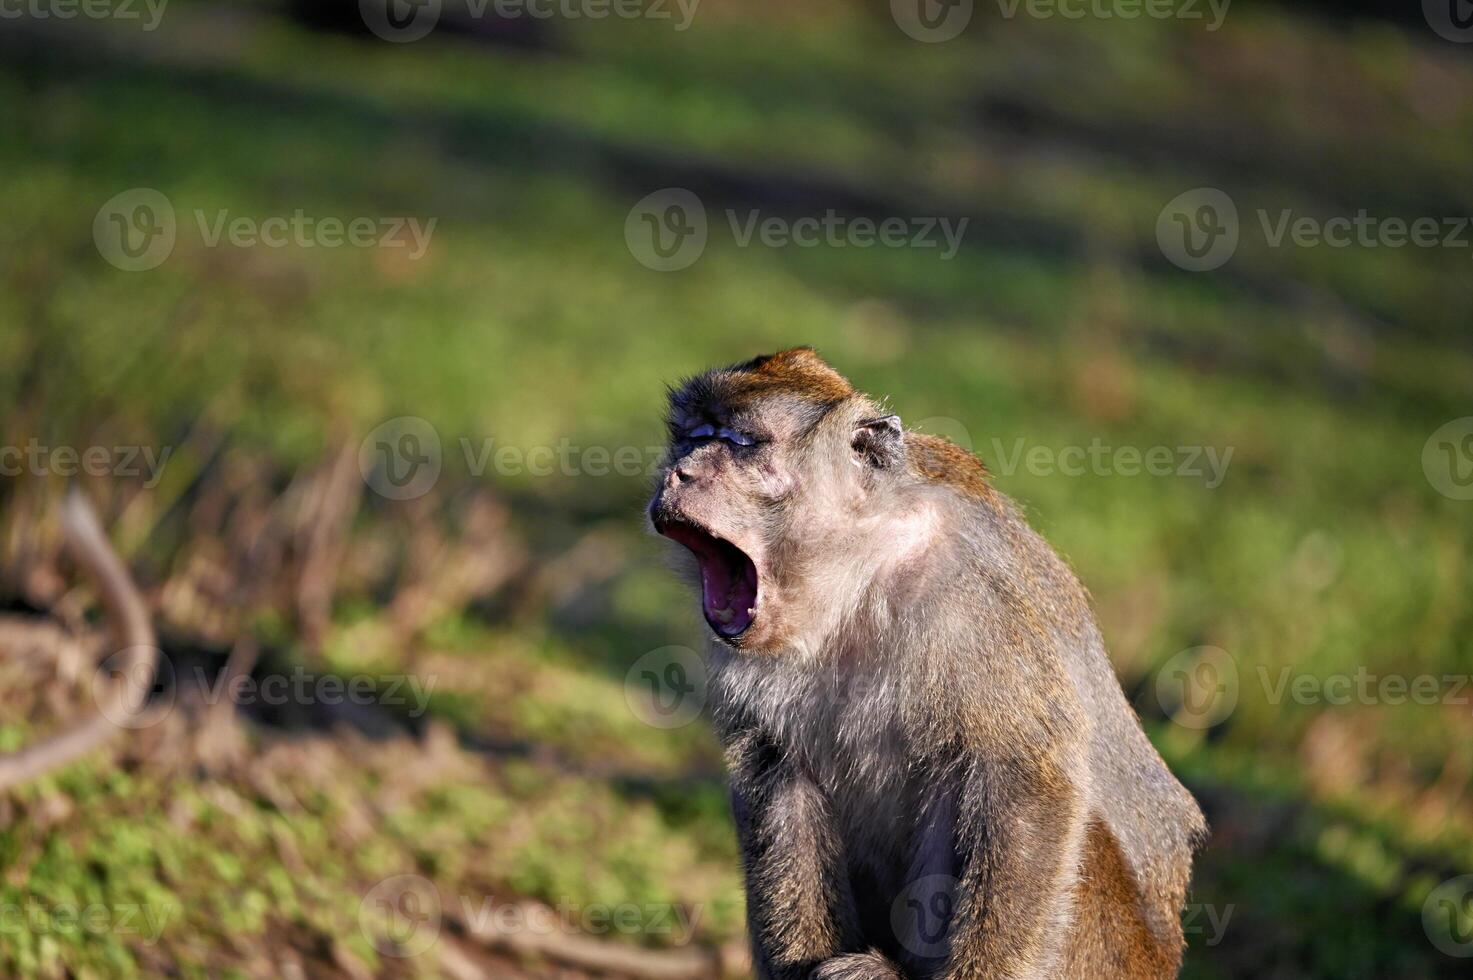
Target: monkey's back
column 1142, row 826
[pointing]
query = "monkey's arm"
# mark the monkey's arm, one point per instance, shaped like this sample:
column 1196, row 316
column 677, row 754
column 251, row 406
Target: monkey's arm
column 1017, row 828
column 1019, row 824
column 799, row 907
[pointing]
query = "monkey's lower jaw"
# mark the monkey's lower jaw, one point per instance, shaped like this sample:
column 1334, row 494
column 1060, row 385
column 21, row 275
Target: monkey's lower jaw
column 728, row 577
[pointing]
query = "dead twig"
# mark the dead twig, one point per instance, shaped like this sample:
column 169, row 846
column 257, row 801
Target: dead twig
column 121, row 705
column 588, row 953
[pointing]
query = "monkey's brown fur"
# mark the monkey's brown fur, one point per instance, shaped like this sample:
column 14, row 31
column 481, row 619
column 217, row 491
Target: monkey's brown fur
column 934, row 770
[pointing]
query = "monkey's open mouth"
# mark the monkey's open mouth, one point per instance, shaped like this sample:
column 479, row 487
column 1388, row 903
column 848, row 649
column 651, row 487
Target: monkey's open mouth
column 728, row 577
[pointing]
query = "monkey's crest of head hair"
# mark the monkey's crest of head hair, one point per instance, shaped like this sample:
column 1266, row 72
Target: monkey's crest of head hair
column 798, row 371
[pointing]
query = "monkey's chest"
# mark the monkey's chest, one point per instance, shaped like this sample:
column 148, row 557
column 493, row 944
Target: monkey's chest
column 866, row 776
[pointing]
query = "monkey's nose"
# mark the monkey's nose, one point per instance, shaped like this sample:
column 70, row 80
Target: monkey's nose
column 679, row 475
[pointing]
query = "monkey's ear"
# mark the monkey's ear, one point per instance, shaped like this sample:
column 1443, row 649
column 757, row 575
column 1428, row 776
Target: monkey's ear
column 880, row 441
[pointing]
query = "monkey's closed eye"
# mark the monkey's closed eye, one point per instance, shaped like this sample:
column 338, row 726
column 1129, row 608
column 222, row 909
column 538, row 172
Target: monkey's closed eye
column 736, row 438
column 705, row 431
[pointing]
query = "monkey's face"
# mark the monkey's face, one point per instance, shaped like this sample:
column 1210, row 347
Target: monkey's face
column 765, row 493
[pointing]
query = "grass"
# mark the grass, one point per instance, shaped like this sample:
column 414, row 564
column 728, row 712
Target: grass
column 1324, row 549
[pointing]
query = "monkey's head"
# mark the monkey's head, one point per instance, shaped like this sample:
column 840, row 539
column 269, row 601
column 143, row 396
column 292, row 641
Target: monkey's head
column 781, row 481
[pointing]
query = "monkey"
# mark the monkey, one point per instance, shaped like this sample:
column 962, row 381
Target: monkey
column 934, row 771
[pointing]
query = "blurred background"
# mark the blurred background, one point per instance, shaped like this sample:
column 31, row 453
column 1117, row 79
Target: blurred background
column 353, row 322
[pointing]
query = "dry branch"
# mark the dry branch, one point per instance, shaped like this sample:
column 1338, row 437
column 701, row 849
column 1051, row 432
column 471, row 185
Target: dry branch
column 588, row 953
column 137, row 656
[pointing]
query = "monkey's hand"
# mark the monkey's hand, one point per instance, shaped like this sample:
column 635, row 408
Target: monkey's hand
column 857, row 966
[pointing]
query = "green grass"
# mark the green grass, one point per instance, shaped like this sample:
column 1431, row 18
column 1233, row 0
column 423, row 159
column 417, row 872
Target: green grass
column 1323, row 550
